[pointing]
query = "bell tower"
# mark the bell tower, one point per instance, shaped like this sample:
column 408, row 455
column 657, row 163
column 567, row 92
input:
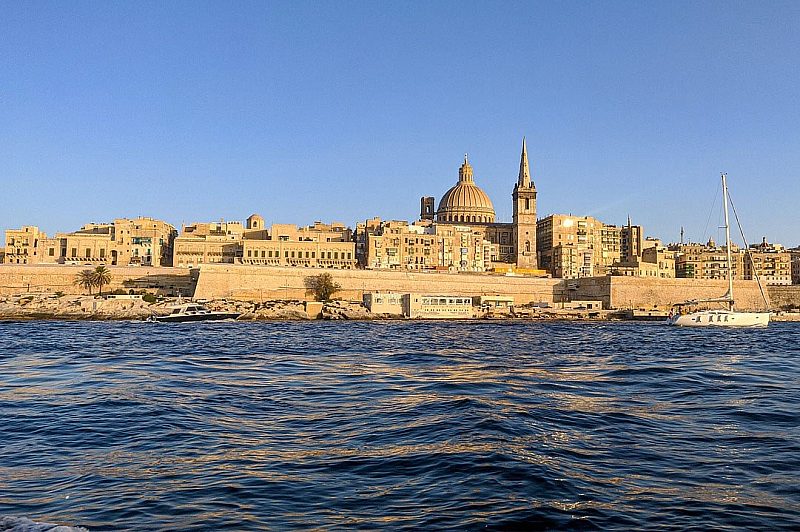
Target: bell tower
column 524, row 220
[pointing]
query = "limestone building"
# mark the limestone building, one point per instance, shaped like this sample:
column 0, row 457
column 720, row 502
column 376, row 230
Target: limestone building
column 425, row 246
column 707, row 261
column 22, row 246
column 124, row 242
column 771, row 263
column 655, row 261
column 577, row 246
column 631, row 241
column 794, row 255
column 317, row 246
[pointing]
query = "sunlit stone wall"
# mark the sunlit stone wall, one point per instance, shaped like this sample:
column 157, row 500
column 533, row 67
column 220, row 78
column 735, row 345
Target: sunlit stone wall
column 18, row 279
column 782, row 296
column 640, row 292
column 265, row 283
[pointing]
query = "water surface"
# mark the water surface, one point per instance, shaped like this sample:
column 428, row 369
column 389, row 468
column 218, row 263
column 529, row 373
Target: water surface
column 401, row 425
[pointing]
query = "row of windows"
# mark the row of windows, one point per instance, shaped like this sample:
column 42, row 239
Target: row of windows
column 335, row 255
column 465, row 219
column 446, row 301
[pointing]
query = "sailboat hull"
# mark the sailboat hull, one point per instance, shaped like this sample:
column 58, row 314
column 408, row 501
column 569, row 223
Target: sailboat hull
column 721, row 318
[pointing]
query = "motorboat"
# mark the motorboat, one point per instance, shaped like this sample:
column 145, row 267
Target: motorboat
column 720, row 317
column 193, row 312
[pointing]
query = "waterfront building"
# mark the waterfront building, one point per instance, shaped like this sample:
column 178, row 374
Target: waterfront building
column 577, row 246
column 316, row 246
column 384, row 303
column 437, row 306
column 631, row 242
column 771, row 263
column 426, row 246
column 423, row 306
column 794, row 255
column 707, row 261
column 305, row 253
column 208, row 243
column 125, row 242
column 655, row 261
column 22, row 246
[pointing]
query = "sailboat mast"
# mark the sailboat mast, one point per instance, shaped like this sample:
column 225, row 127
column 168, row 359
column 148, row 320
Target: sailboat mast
column 727, row 239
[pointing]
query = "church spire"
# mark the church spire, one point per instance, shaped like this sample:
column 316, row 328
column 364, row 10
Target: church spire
column 524, row 179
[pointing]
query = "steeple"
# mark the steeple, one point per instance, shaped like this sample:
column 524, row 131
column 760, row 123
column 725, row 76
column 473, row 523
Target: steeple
column 524, row 179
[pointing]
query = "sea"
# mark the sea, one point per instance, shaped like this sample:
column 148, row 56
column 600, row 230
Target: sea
column 406, row 425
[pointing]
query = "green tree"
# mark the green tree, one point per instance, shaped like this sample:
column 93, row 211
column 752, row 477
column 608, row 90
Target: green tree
column 101, row 276
column 321, row 286
column 85, row 279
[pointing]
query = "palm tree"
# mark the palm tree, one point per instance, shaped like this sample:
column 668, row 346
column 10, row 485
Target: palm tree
column 101, row 276
column 85, row 279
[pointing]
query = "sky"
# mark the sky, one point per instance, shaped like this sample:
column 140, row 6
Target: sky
column 341, row 111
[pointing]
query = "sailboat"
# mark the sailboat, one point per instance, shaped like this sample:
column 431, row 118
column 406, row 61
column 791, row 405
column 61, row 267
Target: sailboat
column 720, row 317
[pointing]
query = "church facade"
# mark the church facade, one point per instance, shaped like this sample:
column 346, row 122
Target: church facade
column 466, row 204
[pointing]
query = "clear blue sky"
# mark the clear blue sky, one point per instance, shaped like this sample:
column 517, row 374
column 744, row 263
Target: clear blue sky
column 196, row 111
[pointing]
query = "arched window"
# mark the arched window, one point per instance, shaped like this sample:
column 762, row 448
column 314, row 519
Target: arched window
column 527, row 246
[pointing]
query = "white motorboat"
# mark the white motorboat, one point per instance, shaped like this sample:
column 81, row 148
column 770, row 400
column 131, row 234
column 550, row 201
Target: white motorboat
column 193, row 312
column 720, row 317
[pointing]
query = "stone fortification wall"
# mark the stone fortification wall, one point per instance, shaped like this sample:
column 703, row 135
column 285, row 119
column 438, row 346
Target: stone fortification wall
column 639, row 292
column 267, row 283
column 784, row 296
column 17, row 279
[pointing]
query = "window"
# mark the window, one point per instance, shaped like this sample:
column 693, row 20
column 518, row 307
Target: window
column 51, row 252
column 103, row 253
column 88, row 253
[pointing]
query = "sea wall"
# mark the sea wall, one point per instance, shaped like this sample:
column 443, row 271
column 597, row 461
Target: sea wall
column 265, row 283
column 640, row 292
column 17, row 279
column 784, row 296
column 259, row 283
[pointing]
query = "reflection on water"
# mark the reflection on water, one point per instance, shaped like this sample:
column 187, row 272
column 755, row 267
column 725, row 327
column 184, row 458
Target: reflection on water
column 402, row 425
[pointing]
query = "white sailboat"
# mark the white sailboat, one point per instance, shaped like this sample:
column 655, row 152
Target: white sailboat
column 721, row 317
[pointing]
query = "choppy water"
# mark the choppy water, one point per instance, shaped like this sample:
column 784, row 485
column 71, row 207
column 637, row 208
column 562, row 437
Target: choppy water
column 398, row 425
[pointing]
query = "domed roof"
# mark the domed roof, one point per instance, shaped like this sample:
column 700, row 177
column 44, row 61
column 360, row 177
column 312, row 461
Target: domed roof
column 465, row 202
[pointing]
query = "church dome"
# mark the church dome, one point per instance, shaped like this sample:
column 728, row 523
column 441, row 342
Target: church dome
column 465, row 202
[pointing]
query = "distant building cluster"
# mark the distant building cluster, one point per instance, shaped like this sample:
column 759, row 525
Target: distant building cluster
column 124, row 242
column 316, row 246
column 459, row 235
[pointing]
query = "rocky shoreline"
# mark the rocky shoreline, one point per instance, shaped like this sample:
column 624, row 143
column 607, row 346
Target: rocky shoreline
column 107, row 308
